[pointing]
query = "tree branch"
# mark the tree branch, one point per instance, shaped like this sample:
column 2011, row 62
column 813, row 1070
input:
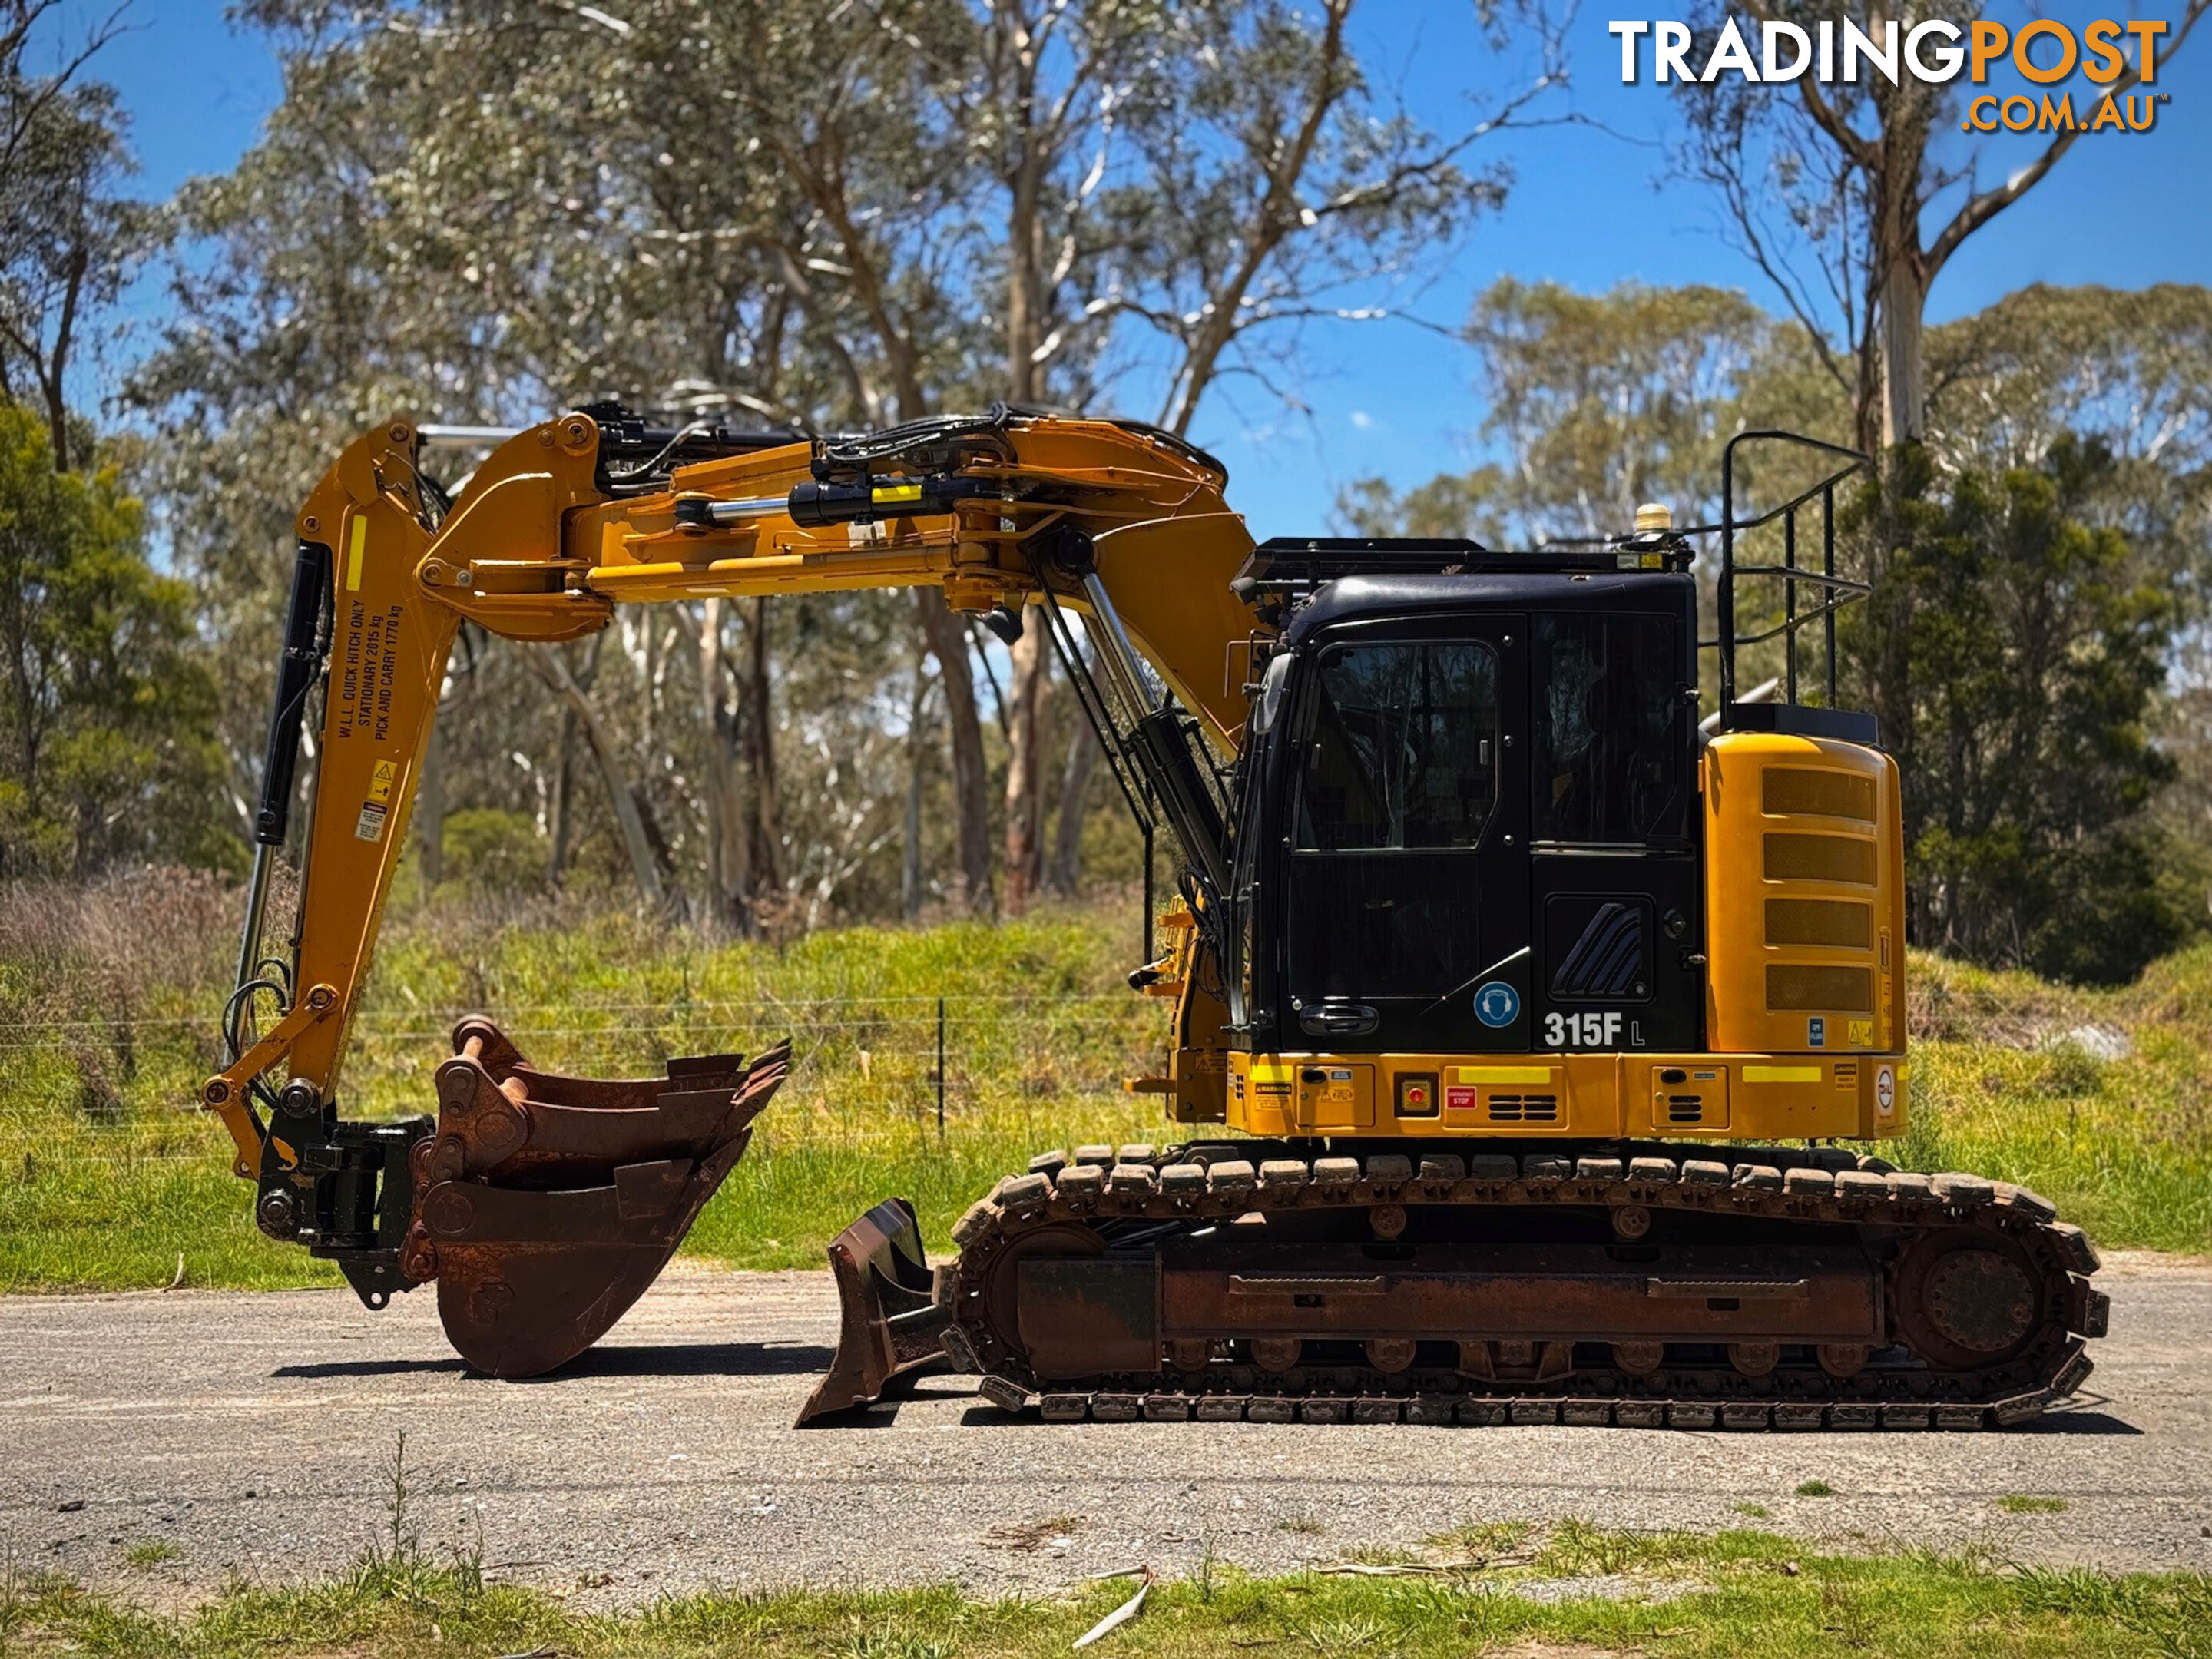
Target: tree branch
column 1980, row 208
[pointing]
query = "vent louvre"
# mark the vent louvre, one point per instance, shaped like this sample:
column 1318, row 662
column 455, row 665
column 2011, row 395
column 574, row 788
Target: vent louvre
column 1685, row 1109
column 1785, row 790
column 1524, row 1108
column 1819, row 858
column 1819, row 922
column 1802, row 986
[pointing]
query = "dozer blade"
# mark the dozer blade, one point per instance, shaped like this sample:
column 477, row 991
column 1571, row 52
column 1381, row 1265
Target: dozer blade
column 545, row 1206
column 889, row 1320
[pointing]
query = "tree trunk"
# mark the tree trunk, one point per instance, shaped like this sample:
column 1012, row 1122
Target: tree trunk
column 1023, row 321
column 917, row 752
column 948, row 641
column 554, row 671
column 430, row 810
column 1904, row 297
column 756, row 727
column 728, row 871
column 1065, row 875
column 55, row 373
column 1027, row 739
column 564, row 788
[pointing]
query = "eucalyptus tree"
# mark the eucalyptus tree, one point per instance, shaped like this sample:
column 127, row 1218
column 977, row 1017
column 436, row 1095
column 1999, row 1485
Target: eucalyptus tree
column 69, row 239
column 1852, row 196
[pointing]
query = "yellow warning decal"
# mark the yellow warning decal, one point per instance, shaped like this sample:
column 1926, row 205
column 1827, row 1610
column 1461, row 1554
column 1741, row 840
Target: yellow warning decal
column 379, row 785
column 1781, row 1074
column 358, row 546
column 886, row 495
column 1501, row 1075
column 1860, row 1033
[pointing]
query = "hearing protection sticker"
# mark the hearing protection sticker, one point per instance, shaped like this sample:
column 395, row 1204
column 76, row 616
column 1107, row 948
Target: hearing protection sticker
column 369, row 826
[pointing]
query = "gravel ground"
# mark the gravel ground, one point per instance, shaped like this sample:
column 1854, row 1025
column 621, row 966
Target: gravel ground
column 253, row 1434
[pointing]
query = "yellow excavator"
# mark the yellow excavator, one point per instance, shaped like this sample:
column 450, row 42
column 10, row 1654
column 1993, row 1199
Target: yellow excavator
column 1520, row 1020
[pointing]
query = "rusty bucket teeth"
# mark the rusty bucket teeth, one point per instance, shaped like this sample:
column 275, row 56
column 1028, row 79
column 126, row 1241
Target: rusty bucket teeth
column 890, row 1321
column 545, row 1206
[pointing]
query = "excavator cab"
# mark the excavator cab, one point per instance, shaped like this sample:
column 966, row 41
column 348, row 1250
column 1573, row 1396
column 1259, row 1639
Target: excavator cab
column 1466, row 825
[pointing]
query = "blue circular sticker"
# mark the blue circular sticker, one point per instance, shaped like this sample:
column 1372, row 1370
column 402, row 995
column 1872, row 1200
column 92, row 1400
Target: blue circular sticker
column 1496, row 1003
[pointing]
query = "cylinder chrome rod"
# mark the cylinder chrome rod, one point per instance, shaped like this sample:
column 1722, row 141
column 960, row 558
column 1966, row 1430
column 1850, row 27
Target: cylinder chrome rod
column 1124, row 668
column 464, row 437
column 759, row 506
column 249, row 938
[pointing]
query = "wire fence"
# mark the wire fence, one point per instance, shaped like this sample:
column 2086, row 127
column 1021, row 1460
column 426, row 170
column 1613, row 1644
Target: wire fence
column 122, row 1092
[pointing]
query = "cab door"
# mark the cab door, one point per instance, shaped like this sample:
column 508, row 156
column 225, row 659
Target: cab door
column 1406, row 871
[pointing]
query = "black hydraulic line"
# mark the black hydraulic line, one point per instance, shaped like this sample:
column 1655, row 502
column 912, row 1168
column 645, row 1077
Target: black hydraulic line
column 296, row 669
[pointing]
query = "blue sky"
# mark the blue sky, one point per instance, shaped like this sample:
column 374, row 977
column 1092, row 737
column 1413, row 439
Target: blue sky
column 1588, row 209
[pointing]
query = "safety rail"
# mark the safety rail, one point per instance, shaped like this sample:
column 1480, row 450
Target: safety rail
column 1837, row 591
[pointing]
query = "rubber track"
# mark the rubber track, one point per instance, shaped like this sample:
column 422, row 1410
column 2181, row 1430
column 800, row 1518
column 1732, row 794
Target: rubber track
column 1218, row 1180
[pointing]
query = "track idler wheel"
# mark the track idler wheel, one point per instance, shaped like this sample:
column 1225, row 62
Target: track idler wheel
column 545, row 1206
column 1967, row 1297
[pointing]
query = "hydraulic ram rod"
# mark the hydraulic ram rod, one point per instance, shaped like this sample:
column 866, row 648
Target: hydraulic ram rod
column 297, row 666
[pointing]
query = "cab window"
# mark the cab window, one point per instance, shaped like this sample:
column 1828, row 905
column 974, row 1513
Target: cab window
column 1401, row 749
column 1608, row 729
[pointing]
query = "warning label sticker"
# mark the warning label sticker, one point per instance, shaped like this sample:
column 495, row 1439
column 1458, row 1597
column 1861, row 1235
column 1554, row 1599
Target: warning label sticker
column 369, row 826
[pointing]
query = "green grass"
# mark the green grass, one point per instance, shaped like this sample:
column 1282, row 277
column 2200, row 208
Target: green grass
column 1815, row 1489
column 2122, row 1146
column 151, row 1552
column 2020, row 1503
column 108, row 1178
column 108, row 1175
column 1739, row 1592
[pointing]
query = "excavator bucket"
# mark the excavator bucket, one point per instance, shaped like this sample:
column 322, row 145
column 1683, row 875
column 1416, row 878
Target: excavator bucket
column 545, row 1206
column 890, row 1316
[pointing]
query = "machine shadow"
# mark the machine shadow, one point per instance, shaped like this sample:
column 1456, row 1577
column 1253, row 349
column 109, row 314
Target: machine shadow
column 882, row 1413
column 372, row 1368
column 2082, row 1418
column 643, row 1359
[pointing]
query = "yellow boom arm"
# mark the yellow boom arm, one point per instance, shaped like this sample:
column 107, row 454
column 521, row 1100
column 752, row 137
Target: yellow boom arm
column 535, row 549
